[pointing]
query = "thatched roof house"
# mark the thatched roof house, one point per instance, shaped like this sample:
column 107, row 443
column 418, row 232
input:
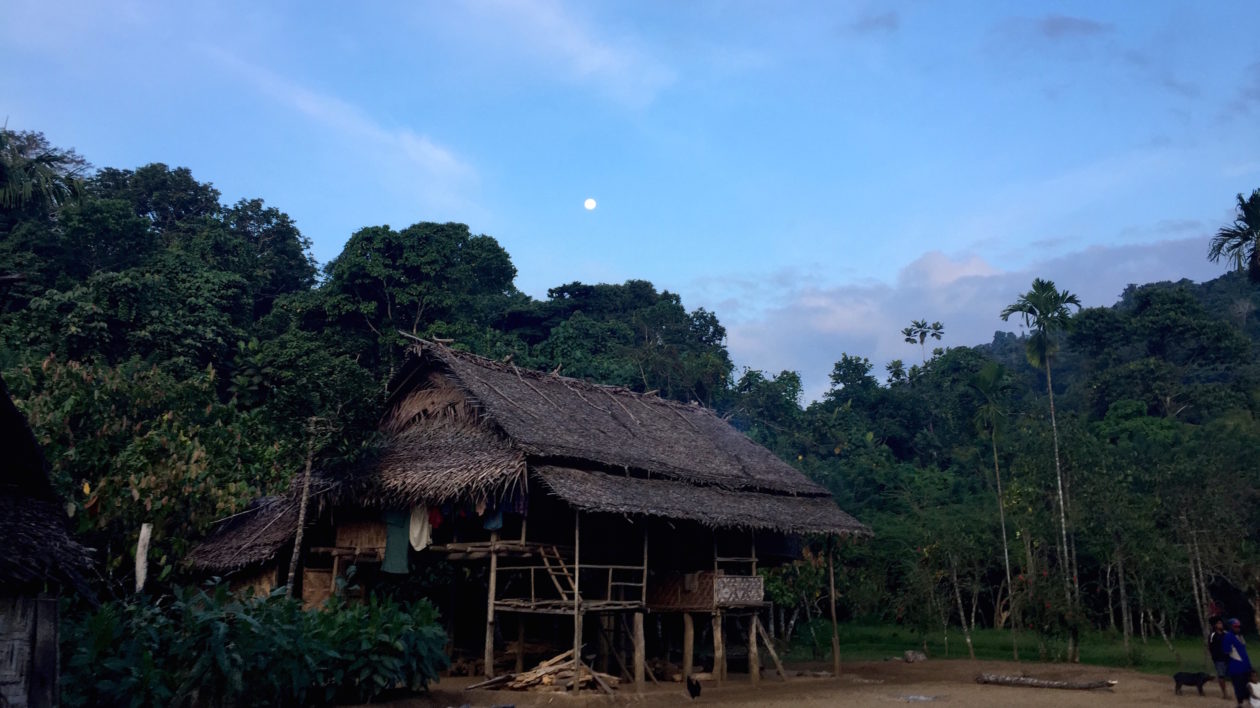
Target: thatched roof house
column 574, row 480
column 39, row 553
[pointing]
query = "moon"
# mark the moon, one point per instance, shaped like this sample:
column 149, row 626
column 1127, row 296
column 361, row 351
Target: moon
column 589, row 204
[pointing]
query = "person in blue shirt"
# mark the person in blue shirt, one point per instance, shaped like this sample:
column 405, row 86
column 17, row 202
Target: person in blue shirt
column 1239, row 663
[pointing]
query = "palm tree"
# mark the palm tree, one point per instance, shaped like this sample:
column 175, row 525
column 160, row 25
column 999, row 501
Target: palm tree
column 991, row 383
column 1045, row 310
column 1239, row 243
column 919, row 331
column 34, row 173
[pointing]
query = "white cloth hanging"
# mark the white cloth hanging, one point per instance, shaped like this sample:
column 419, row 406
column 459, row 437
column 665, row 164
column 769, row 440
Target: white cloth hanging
column 419, row 531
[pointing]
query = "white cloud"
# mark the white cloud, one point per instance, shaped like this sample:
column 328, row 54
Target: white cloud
column 568, row 47
column 805, row 328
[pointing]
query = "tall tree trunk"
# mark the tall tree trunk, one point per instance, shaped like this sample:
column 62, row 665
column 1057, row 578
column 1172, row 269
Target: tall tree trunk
column 1006, row 549
column 1065, row 559
column 962, row 615
column 1126, row 619
column 1110, row 581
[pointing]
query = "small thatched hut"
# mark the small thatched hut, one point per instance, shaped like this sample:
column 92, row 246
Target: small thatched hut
column 39, row 560
column 583, row 499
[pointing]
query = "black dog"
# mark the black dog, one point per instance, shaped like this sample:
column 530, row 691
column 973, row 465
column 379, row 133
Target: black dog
column 1186, row 678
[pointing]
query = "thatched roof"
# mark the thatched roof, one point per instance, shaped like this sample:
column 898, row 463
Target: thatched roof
column 38, row 549
column 710, row 506
column 253, row 537
column 432, row 462
column 551, row 416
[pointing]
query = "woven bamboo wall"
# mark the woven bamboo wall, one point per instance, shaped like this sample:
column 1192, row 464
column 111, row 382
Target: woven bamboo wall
column 682, row 591
column 316, row 586
column 262, row 581
column 362, row 535
column 739, row 590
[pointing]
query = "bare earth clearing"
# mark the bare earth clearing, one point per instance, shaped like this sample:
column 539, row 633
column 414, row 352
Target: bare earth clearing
column 868, row 684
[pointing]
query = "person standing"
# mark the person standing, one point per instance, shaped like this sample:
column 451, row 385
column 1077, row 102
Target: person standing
column 1239, row 664
column 1220, row 659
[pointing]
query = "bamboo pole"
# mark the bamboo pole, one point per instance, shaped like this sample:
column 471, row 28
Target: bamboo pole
column 719, row 649
column 689, row 644
column 306, row 498
column 640, row 659
column 774, row 655
column 835, row 629
column 494, row 573
column 577, row 599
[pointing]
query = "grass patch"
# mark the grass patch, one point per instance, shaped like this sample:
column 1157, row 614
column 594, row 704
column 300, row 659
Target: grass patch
column 864, row 642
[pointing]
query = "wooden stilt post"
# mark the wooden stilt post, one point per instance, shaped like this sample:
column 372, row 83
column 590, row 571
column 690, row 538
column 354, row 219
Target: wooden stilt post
column 520, row 643
column 719, row 649
column 577, row 600
column 488, row 659
column 640, row 658
column 754, row 660
column 689, row 644
column 774, row 655
column 835, row 630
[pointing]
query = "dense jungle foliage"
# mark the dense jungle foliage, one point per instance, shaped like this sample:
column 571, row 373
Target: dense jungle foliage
column 169, row 351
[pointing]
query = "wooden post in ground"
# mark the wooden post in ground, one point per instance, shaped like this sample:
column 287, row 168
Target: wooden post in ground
column 754, row 660
column 494, row 571
column 774, row 655
column 520, row 644
column 719, row 649
column 640, row 659
column 45, row 664
column 689, row 644
column 835, row 629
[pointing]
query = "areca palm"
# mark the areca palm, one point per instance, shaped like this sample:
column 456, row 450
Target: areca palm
column 991, row 383
column 919, row 331
column 1046, row 312
column 1239, row 243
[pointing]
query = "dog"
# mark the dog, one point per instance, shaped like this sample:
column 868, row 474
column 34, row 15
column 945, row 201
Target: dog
column 693, row 688
column 1187, row 678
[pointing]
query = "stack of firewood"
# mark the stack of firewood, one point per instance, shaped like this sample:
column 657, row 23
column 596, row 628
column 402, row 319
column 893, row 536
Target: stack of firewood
column 555, row 674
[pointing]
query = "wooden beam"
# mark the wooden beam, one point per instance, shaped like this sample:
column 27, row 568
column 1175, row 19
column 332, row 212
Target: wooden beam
column 689, row 644
column 494, row 572
column 719, row 649
column 643, row 593
column 778, row 665
column 835, row 630
column 640, row 659
column 754, row 660
column 45, row 659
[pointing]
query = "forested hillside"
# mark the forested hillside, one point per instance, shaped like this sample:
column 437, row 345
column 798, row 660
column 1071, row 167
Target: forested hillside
column 178, row 357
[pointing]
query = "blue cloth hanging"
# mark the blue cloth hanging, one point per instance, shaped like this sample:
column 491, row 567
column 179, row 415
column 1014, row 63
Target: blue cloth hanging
column 396, row 542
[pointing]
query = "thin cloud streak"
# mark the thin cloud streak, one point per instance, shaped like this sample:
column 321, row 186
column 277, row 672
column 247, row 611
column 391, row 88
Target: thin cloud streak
column 404, row 156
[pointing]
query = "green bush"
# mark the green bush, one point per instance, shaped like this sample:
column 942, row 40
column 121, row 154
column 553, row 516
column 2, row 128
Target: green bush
column 214, row 648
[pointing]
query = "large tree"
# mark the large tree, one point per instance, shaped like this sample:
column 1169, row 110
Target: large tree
column 1046, row 312
column 1239, row 243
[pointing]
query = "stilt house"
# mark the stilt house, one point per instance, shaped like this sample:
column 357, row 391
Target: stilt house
column 576, row 502
column 39, row 561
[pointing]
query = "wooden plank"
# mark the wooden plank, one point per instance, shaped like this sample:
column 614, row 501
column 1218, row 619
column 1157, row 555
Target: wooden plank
column 494, row 568
column 778, row 665
column 640, row 659
column 491, row 682
column 719, row 649
column 689, row 644
column 599, row 680
column 754, row 660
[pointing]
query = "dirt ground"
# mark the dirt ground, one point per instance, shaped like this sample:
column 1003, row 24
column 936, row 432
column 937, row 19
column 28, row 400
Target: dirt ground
column 865, row 684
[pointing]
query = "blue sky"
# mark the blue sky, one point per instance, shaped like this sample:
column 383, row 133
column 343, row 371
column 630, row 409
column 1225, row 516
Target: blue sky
column 817, row 173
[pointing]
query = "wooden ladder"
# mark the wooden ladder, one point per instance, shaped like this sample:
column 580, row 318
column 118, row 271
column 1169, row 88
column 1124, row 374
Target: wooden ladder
column 559, row 571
